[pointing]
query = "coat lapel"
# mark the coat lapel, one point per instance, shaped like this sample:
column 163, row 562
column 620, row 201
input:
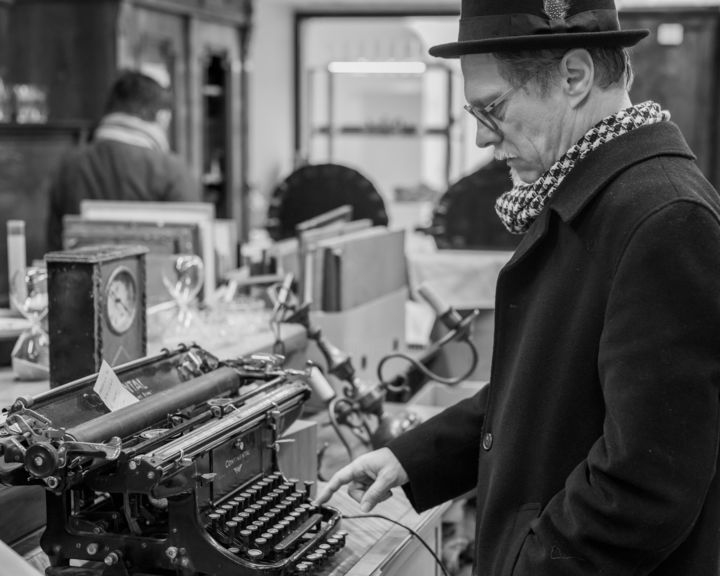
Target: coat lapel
column 594, row 172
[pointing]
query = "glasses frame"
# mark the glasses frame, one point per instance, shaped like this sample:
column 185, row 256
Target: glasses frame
column 484, row 115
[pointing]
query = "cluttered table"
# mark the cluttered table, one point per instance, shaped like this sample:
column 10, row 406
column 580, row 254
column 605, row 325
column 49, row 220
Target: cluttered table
column 374, row 544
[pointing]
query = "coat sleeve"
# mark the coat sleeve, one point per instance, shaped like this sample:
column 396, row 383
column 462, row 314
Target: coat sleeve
column 643, row 485
column 441, row 455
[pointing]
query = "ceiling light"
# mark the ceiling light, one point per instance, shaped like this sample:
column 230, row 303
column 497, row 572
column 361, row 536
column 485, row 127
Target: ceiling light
column 369, row 67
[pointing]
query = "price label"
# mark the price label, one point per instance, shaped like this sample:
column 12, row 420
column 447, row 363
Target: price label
column 111, row 391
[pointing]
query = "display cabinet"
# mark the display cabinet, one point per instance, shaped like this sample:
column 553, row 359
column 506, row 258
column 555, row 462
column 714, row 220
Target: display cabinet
column 73, row 50
column 28, row 155
column 390, row 120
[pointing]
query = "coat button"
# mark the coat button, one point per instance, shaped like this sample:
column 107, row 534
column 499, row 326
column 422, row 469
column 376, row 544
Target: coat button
column 487, row 441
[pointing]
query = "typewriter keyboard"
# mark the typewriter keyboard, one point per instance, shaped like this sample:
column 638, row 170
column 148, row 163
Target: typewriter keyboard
column 273, row 520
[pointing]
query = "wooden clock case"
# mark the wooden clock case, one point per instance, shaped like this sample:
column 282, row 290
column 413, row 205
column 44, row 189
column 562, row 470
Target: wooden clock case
column 81, row 325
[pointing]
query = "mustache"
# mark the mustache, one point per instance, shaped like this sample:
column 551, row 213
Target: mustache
column 501, row 156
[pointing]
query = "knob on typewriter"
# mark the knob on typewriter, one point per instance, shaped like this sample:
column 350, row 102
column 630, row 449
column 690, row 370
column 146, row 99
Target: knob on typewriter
column 41, row 460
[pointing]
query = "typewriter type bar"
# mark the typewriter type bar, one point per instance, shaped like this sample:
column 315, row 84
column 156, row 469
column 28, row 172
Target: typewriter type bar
column 183, row 482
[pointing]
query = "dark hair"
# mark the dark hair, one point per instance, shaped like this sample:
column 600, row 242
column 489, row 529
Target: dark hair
column 612, row 66
column 139, row 95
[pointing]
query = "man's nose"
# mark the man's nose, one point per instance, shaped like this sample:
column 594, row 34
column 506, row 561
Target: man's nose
column 485, row 137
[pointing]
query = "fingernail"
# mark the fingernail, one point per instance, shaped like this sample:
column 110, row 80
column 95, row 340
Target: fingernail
column 365, row 507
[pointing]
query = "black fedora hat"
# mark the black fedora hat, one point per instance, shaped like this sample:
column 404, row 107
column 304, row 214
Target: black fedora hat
column 509, row 25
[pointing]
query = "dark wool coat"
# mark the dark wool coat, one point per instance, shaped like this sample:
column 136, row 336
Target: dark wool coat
column 594, row 448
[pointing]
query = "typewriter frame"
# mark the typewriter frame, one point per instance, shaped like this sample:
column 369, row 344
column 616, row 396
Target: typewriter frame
column 129, row 496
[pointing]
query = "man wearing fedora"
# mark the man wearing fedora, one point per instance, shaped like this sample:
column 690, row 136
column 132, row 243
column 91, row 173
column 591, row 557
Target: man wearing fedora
column 594, row 447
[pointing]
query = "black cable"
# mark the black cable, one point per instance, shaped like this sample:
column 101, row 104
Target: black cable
column 420, row 539
column 426, row 371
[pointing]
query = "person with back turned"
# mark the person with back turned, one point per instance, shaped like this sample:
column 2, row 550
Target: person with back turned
column 129, row 157
column 594, row 447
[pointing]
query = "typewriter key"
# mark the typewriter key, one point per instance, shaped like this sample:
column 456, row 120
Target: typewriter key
column 214, row 520
column 262, row 544
column 244, row 537
column 322, row 557
column 231, row 527
column 254, row 554
column 282, row 527
column 242, row 518
column 308, row 487
column 334, row 543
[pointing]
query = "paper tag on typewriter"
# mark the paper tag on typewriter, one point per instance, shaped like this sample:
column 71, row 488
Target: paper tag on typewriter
column 111, row 391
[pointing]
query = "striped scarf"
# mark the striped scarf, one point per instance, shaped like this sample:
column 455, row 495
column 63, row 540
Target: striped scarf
column 128, row 129
column 519, row 207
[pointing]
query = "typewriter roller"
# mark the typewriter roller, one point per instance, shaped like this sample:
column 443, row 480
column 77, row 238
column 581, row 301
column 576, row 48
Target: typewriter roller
column 184, row 481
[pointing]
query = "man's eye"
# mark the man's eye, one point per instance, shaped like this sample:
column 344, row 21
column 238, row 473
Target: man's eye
column 499, row 111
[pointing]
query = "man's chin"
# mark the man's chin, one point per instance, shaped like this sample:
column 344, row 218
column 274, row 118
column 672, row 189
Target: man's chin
column 521, row 179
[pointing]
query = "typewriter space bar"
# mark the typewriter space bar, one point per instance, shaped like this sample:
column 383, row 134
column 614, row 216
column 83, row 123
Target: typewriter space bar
column 286, row 544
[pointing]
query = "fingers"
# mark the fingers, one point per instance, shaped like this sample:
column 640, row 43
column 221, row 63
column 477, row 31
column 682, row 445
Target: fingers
column 371, row 476
column 369, row 497
column 341, row 477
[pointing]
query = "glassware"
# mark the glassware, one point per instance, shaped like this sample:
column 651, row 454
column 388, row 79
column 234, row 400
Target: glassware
column 183, row 275
column 31, row 353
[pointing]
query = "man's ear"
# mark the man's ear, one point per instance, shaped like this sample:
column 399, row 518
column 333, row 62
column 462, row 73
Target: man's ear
column 163, row 118
column 577, row 71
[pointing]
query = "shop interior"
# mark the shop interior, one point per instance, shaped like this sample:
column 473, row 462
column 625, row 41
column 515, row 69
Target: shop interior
column 321, row 135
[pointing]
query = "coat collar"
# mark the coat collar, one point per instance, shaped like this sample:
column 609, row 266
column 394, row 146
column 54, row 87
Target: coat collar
column 600, row 167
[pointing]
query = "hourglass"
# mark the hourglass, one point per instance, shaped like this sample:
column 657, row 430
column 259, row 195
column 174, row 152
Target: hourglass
column 182, row 275
column 30, row 355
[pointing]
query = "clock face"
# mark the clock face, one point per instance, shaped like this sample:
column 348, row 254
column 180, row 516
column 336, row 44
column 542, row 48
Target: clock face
column 121, row 300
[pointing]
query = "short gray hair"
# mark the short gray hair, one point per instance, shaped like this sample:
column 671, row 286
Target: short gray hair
column 612, row 66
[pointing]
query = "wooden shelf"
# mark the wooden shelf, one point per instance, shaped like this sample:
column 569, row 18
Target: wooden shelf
column 380, row 131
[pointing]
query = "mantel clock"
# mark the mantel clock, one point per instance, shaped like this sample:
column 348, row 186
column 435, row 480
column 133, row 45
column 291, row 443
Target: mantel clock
column 96, row 310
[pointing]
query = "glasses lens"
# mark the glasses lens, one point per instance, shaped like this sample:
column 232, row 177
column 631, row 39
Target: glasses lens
column 482, row 117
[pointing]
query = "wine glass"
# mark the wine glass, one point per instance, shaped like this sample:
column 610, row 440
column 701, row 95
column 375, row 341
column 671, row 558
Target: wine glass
column 31, row 353
column 183, row 276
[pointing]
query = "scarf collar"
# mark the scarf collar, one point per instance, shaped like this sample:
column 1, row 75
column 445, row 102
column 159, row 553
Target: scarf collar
column 519, row 207
column 132, row 130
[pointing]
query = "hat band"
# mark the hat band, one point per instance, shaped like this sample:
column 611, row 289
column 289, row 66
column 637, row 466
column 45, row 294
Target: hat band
column 510, row 25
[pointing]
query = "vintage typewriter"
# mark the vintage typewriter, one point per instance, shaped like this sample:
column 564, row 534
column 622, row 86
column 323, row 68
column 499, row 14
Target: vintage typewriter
column 184, row 481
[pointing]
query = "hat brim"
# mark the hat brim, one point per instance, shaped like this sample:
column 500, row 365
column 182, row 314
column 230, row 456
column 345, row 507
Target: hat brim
column 620, row 38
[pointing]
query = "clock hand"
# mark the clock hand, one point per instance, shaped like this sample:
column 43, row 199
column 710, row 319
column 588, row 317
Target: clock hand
column 119, row 301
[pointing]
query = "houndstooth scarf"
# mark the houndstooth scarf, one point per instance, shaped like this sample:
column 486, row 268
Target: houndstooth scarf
column 519, row 207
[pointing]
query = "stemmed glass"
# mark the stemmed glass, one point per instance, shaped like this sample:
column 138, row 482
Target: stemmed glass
column 31, row 353
column 183, row 276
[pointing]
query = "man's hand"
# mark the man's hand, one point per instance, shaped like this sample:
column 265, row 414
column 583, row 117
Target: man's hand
column 370, row 478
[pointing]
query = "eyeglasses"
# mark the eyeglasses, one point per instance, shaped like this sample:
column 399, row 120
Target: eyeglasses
column 484, row 115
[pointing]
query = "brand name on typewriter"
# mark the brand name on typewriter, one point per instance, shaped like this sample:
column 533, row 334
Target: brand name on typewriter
column 236, row 462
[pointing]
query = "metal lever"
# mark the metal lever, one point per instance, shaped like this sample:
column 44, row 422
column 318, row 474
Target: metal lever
column 110, row 451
